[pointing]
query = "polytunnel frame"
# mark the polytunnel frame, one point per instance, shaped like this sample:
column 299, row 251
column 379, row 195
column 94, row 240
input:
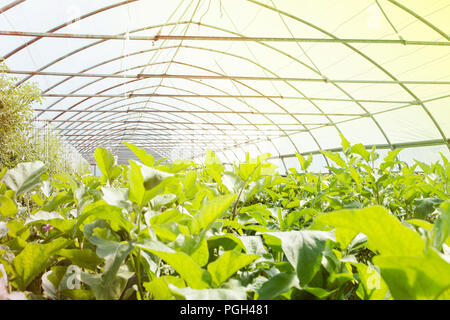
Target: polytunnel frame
column 421, row 103
column 158, row 49
column 226, row 122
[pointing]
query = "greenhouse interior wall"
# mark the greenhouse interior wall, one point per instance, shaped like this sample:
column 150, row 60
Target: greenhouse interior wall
column 236, row 76
column 184, row 80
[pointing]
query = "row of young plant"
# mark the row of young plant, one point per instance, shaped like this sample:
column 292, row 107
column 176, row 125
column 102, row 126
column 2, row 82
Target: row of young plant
column 187, row 231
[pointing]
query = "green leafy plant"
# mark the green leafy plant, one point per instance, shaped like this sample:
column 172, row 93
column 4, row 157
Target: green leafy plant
column 149, row 230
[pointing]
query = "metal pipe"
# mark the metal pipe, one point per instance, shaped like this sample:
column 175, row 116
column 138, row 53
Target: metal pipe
column 217, row 77
column 200, row 112
column 188, row 123
column 218, row 38
column 133, row 95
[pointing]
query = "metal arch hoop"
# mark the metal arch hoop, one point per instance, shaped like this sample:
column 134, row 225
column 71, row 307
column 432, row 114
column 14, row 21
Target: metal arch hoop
column 313, row 137
column 380, row 69
column 301, row 93
column 184, row 90
column 444, row 139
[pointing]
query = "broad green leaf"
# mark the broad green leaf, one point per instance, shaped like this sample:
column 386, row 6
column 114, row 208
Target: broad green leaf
column 415, row 278
column 2, row 172
column 100, row 234
column 116, row 196
column 420, row 223
column 294, row 216
column 43, row 216
column 386, row 233
column 304, row 250
column 105, row 161
column 176, row 166
column 37, row 199
column 319, row 292
column 191, row 272
column 344, row 143
column 197, row 249
column 115, row 172
column 335, row 157
column 158, row 288
column 114, row 262
column 227, row 241
column 189, row 180
column 110, row 284
column 52, row 218
column 167, row 216
column 34, row 259
column 78, row 294
column 253, row 245
column 56, row 201
column 51, row 280
column 137, row 189
column 24, row 176
column 232, row 181
column 359, row 240
column 168, row 185
column 8, row 207
column 16, row 228
column 145, row 158
column 360, row 150
column 425, row 206
column 111, row 290
column 371, row 284
column 441, row 228
column 158, row 162
column 210, row 294
column 228, row 264
column 101, row 210
column 153, row 177
column 293, row 204
column 168, row 231
column 277, row 285
column 210, row 212
column 83, row 258
column 392, row 155
column 303, row 162
column 162, row 200
column 214, row 166
column 356, row 176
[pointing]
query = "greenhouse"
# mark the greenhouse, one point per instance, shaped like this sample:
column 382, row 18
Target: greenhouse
column 225, row 150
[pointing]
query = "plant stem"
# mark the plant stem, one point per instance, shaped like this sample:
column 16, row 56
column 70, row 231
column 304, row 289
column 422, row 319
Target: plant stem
column 137, row 263
column 242, row 189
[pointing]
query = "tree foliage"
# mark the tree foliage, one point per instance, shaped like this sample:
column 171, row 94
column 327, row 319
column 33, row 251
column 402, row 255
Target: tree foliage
column 16, row 113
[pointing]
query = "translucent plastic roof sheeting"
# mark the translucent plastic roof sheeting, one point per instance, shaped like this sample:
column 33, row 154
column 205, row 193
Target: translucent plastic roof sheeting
column 179, row 76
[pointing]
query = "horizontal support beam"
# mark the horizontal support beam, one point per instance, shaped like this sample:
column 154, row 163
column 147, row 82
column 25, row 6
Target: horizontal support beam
column 118, row 137
column 219, row 77
column 182, row 136
column 146, row 138
column 202, row 112
column 218, row 38
column 175, row 129
column 188, row 123
column 172, row 145
column 118, row 133
column 144, row 145
column 134, row 95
